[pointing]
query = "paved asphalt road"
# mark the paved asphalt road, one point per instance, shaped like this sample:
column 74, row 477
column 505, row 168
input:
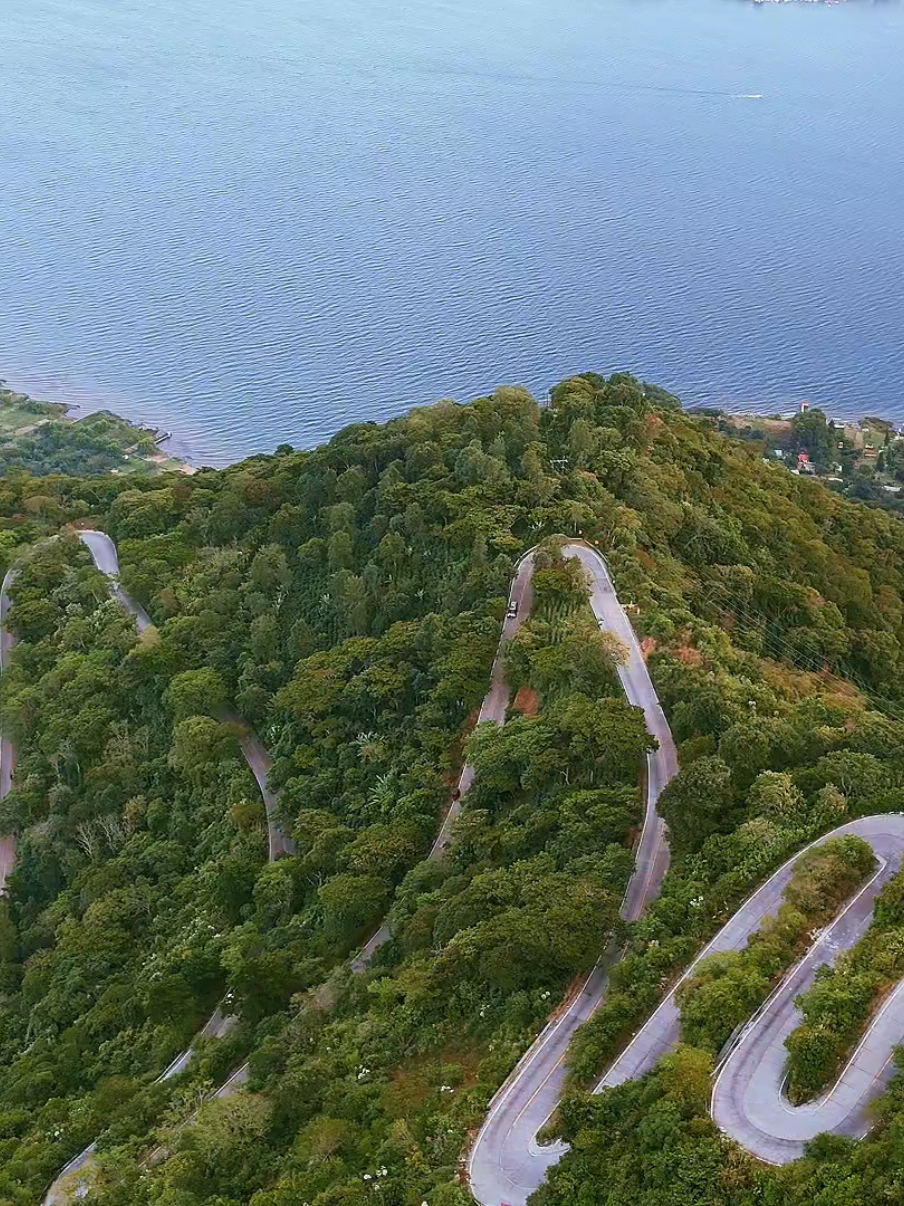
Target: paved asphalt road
column 506, row 1163
column 748, row 1099
column 493, row 709
column 7, row 750
column 103, row 552
column 749, row 1103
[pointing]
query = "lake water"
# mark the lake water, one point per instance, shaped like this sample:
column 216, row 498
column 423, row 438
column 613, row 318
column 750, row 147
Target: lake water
column 254, row 221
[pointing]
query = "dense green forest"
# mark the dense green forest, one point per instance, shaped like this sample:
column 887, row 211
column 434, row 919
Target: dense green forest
column 347, row 602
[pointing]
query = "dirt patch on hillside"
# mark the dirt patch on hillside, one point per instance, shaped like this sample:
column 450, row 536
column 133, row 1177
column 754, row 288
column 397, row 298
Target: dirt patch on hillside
column 801, row 683
column 648, row 646
column 689, row 655
column 774, row 427
column 527, row 702
column 653, row 429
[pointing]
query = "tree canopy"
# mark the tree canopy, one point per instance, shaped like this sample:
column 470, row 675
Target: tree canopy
column 347, row 603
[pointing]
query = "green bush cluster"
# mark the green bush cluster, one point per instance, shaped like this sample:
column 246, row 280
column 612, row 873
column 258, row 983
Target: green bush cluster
column 728, row 987
column 839, row 1004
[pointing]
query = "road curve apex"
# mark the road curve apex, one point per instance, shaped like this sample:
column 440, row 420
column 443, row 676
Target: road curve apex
column 507, row 1163
column 748, row 1100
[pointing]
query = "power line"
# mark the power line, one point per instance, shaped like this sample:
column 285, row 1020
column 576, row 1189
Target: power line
column 756, row 622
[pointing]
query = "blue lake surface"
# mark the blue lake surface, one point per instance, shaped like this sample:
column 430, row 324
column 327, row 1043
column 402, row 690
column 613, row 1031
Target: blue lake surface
column 254, row 221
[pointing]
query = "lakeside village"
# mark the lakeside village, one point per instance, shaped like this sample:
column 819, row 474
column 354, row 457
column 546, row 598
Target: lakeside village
column 864, row 459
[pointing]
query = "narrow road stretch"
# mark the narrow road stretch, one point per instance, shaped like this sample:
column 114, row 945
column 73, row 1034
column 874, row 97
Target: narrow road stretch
column 7, row 750
column 507, row 1163
column 103, row 551
column 749, row 1102
column 494, row 707
column 104, row 555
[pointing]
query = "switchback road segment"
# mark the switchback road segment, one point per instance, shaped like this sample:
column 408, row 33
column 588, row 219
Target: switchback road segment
column 494, row 708
column 104, row 554
column 507, row 1163
column 749, row 1101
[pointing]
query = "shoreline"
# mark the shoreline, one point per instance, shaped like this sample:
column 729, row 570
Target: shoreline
column 785, row 415
column 167, row 457
column 128, row 444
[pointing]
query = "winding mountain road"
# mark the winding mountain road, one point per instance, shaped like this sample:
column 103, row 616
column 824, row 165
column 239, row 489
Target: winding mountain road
column 103, row 551
column 8, row 842
column 493, row 708
column 104, row 554
column 507, row 1163
column 749, row 1101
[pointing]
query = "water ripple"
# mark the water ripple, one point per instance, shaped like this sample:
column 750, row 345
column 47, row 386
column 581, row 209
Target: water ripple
column 251, row 221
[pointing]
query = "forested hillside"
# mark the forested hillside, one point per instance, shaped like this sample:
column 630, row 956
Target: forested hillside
column 347, row 602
